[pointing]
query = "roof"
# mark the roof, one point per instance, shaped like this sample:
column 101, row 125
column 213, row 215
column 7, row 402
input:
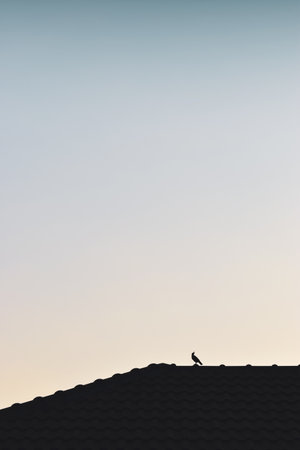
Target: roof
column 164, row 407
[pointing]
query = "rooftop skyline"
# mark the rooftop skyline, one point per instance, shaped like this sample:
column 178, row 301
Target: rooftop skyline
column 150, row 187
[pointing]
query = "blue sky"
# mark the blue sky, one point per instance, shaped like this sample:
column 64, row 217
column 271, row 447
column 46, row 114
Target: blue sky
column 150, row 187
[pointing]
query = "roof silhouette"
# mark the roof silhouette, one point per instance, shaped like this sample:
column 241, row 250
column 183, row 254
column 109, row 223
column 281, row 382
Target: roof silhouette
column 164, row 407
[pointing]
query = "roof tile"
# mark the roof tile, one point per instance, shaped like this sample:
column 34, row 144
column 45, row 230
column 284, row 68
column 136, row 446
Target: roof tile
column 164, row 407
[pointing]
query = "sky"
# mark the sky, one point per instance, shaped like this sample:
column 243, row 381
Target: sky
column 149, row 187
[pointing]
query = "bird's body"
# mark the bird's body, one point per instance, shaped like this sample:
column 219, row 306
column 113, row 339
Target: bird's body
column 196, row 360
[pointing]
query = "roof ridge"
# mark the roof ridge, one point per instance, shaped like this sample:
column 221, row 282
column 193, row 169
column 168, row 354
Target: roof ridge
column 164, row 367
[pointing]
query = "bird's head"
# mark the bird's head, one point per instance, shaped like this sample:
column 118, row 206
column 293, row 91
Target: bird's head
column 193, row 353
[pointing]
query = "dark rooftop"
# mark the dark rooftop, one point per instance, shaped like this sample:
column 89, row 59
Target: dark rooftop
column 164, row 407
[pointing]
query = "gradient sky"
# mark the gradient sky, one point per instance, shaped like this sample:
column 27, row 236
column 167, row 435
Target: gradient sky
column 149, row 187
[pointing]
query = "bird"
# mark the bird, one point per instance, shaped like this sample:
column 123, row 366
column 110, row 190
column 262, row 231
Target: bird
column 195, row 359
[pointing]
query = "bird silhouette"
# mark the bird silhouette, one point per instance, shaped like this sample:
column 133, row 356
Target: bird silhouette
column 196, row 360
